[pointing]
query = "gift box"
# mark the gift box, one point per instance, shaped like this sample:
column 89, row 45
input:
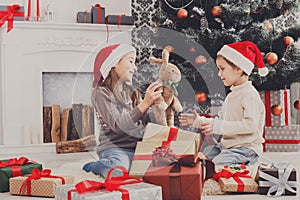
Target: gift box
column 84, row 17
column 278, row 179
column 98, row 14
column 18, row 15
column 236, row 179
column 278, row 108
column 15, row 167
column 39, row 183
column 180, row 180
column 119, row 19
column 142, row 158
column 156, row 132
column 282, row 138
column 295, row 101
column 113, row 188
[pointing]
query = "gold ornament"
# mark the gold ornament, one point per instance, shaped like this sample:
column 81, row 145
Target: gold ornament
column 271, row 58
column 297, row 104
column 288, row 40
column 216, row 11
column 200, row 97
column 182, row 13
column 276, row 110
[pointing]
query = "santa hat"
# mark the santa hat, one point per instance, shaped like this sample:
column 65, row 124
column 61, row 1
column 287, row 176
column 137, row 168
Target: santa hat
column 107, row 58
column 244, row 55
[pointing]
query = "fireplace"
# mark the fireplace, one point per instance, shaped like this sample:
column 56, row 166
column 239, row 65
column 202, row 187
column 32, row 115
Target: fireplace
column 33, row 51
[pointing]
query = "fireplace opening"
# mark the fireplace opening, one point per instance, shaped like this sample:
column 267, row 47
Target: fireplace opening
column 67, row 109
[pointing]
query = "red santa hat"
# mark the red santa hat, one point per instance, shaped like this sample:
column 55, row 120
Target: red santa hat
column 244, row 55
column 107, row 58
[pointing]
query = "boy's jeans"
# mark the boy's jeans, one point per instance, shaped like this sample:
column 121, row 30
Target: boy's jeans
column 237, row 155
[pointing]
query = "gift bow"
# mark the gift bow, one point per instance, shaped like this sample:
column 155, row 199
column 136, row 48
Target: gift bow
column 173, row 86
column 14, row 161
column 280, row 184
column 11, row 10
column 110, row 184
column 35, row 175
column 236, row 175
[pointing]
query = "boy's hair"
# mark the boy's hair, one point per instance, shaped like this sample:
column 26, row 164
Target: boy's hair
column 232, row 64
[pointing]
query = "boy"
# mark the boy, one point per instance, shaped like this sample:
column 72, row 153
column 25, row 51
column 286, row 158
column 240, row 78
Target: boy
column 241, row 119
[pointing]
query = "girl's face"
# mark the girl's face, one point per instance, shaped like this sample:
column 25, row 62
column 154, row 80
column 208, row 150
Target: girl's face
column 126, row 67
column 229, row 74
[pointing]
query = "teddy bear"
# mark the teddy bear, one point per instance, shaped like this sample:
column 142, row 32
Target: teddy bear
column 169, row 76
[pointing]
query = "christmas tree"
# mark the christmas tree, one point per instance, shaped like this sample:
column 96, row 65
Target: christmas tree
column 273, row 25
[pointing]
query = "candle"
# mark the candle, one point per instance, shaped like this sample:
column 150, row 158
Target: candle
column 29, row 9
column 37, row 10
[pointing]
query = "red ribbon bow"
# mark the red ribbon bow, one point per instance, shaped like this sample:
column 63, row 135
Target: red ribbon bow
column 15, row 164
column 35, row 175
column 9, row 16
column 236, row 175
column 110, row 184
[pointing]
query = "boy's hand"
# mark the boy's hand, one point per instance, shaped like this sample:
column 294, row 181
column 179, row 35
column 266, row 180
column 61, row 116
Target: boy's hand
column 206, row 128
column 186, row 119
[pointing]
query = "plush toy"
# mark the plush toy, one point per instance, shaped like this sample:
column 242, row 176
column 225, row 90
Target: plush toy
column 169, row 75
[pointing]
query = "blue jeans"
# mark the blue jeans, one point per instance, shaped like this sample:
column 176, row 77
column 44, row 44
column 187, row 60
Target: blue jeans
column 237, row 155
column 108, row 159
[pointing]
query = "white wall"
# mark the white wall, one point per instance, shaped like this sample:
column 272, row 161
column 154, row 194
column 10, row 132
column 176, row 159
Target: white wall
column 65, row 10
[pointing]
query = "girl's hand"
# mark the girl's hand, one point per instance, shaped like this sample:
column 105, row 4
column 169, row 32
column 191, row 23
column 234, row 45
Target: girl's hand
column 151, row 95
column 206, row 128
column 186, row 119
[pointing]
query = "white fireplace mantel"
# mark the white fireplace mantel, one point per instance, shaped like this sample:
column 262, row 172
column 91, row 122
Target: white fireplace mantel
column 31, row 48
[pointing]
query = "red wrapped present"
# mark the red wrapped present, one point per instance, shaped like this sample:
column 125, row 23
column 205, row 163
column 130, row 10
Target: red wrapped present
column 9, row 14
column 15, row 167
column 181, row 180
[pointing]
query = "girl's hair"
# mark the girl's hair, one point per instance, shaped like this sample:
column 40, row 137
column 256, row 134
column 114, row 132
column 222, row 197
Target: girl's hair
column 232, row 64
column 112, row 82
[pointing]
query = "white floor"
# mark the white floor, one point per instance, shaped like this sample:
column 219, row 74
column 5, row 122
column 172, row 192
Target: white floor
column 71, row 164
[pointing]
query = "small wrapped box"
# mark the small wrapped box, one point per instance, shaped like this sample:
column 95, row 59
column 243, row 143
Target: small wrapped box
column 278, row 100
column 156, row 132
column 119, row 19
column 282, row 138
column 84, row 17
column 278, row 179
column 113, row 188
column 43, row 186
column 98, row 14
column 236, row 179
column 142, row 158
column 18, row 15
column 15, row 167
column 181, row 180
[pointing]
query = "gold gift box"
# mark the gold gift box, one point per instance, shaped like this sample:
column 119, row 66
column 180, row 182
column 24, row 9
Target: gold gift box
column 143, row 154
column 43, row 187
column 230, row 185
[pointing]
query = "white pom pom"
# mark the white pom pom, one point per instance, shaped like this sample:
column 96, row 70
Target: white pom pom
column 263, row 71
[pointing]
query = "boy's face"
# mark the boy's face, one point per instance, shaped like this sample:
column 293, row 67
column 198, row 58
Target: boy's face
column 229, row 74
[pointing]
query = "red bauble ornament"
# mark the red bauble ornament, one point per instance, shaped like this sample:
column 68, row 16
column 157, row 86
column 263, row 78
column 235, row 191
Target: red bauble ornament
column 276, row 110
column 192, row 50
column 182, row 13
column 169, row 48
column 200, row 97
column 297, row 104
column 200, row 60
column 271, row 58
column 288, row 40
column 216, row 11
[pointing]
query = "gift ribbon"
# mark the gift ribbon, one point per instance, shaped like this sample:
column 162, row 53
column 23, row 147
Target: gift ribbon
column 268, row 108
column 99, row 13
column 29, row 10
column 236, row 175
column 110, row 184
column 286, row 111
column 35, row 175
column 15, row 164
column 280, row 184
column 173, row 132
column 9, row 16
column 282, row 141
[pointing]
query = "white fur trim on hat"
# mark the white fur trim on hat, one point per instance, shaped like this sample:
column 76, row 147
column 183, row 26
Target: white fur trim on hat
column 237, row 58
column 114, row 57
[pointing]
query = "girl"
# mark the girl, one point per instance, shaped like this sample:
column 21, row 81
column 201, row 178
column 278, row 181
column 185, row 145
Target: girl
column 241, row 119
column 120, row 112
